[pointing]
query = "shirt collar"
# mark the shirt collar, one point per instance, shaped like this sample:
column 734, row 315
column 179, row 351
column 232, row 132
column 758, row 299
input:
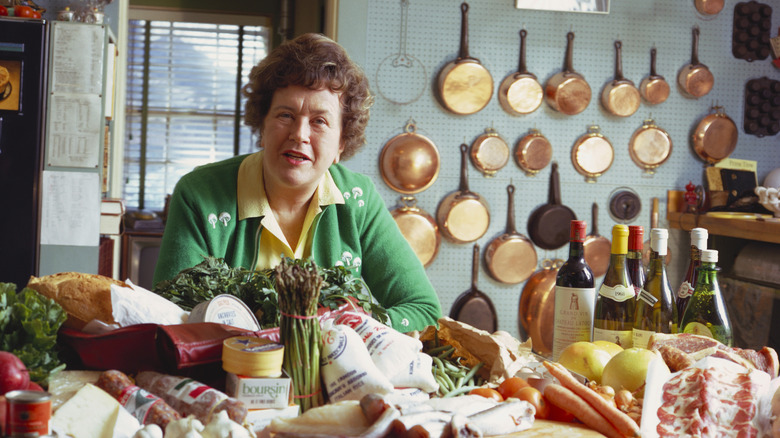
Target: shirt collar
column 252, row 200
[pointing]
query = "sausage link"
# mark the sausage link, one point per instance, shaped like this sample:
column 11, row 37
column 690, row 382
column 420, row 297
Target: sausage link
column 146, row 407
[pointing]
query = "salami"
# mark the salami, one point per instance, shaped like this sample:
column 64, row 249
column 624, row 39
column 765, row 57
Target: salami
column 147, row 408
column 191, row 397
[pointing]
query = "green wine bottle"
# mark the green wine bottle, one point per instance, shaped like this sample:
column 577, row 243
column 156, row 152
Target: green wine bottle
column 614, row 315
column 655, row 311
column 706, row 312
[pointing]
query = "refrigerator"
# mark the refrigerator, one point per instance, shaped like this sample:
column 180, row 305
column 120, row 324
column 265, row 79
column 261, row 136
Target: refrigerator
column 23, row 70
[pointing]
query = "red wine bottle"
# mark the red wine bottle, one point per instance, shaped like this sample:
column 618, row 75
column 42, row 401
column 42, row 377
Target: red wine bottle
column 634, row 264
column 684, row 292
column 575, row 295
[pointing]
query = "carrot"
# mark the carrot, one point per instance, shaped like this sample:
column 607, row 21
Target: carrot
column 570, row 402
column 619, row 419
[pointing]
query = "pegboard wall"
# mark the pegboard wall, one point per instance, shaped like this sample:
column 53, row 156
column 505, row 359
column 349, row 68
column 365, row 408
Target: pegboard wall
column 430, row 35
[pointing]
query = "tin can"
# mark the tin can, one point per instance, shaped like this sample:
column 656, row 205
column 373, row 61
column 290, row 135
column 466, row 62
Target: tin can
column 65, row 14
column 29, row 414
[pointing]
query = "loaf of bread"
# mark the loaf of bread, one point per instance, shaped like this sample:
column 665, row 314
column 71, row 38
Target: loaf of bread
column 84, row 297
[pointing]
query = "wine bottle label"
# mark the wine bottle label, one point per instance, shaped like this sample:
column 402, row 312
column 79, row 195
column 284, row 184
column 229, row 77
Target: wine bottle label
column 647, row 297
column 685, row 290
column 642, row 337
column 618, row 292
column 624, row 338
column 574, row 309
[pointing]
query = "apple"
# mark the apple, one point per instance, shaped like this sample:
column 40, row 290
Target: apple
column 585, row 358
column 628, row 370
column 3, row 11
column 610, row 347
column 34, row 387
column 13, row 373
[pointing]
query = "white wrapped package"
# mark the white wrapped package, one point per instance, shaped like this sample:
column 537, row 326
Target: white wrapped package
column 136, row 305
column 348, row 372
column 391, row 350
column 417, row 374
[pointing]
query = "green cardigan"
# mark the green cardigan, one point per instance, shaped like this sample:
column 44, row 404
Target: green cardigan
column 359, row 234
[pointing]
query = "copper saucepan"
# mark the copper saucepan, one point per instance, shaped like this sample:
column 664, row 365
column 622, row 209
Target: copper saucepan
column 620, row 96
column 715, row 137
column 510, row 258
column 520, row 93
column 465, row 86
column 695, row 79
column 592, row 154
column 418, row 228
column 533, row 152
column 489, row 152
column 409, row 162
column 597, row 247
column 654, row 88
column 474, row 307
column 568, row 91
column 536, row 310
column 708, row 7
column 463, row 216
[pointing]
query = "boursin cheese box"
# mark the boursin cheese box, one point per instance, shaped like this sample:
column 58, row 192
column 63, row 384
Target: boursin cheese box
column 260, row 392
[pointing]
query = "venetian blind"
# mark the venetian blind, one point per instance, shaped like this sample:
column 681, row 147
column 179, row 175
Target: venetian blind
column 184, row 107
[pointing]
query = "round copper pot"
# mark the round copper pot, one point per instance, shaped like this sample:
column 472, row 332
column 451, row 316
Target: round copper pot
column 654, row 88
column 409, row 162
column 520, row 93
column 650, row 146
column 592, row 154
column 418, row 228
column 536, row 310
column 715, row 137
column 489, row 152
column 620, row 96
column 533, row 152
column 695, row 79
column 511, row 257
column 463, row 216
column 567, row 91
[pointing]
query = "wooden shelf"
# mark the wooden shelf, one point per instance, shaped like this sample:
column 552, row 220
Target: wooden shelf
column 763, row 230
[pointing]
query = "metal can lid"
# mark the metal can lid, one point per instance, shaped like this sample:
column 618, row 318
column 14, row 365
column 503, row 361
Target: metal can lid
column 225, row 309
column 252, row 356
column 26, row 396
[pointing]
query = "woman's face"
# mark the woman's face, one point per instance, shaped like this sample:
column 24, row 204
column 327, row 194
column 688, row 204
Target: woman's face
column 301, row 136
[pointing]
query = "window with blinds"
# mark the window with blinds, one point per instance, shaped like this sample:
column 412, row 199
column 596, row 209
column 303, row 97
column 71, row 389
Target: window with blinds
column 184, row 106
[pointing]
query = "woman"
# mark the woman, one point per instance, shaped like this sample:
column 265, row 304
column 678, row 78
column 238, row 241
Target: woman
column 309, row 103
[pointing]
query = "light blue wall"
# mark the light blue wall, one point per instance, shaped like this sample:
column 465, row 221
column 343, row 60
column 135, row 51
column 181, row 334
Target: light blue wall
column 370, row 31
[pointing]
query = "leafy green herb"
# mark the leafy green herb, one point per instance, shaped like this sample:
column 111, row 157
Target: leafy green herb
column 257, row 290
column 29, row 323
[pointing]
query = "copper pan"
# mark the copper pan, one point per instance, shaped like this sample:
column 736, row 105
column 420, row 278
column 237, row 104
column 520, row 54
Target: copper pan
column 695, row 79
column 489, row 152
column 620, row 96
column 533, row 152
column 568, row 91
column 592, row 154
column 597, row 247
column 536, row 310
column 708, row 7
column 419, row 229
column 654, row 88
column 650, row 146
column 409, row 162
column 463, row 216
column 510, row 258
column 715, row 137
column 520, row 93
column 465, row 86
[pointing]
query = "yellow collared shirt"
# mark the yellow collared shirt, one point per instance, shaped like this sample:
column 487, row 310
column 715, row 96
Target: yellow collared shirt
column 253, row 202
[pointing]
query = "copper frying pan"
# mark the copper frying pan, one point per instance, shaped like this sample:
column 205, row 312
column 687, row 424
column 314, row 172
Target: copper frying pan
column 463, row 216
column 533, row 152
column 597, row 247
column 489, row 152
column 536, row 310
column 520, row 92
column 465, row 86
column 474, row 307
column 654, row 88
column 715, row 137
column 418, row 228
column 695, row 79
column 409, row 162
column 510, row 258
column 568, row 91
column 620, row 96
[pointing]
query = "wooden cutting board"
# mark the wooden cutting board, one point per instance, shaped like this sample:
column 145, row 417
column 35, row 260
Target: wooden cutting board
column 545, row 428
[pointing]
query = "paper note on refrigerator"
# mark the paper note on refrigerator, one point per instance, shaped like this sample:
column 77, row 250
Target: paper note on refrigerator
column 70, row 210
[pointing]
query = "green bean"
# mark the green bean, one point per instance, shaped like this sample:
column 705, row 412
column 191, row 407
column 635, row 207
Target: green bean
column 436, row 350
column 452, row 368
column 459, row 382
column 473, row 371
column 459, row 391
column 446, row 353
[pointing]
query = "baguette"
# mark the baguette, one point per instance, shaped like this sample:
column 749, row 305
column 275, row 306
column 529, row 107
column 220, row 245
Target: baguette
column 84, row 297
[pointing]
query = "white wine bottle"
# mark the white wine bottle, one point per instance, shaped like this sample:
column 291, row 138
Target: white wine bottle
column 614, row 315
column 656, row 311
column 684, row 292
column 706, row 312
column 575, row 295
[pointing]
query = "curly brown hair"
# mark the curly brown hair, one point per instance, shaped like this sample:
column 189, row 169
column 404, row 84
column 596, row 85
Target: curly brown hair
column 313, row 61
